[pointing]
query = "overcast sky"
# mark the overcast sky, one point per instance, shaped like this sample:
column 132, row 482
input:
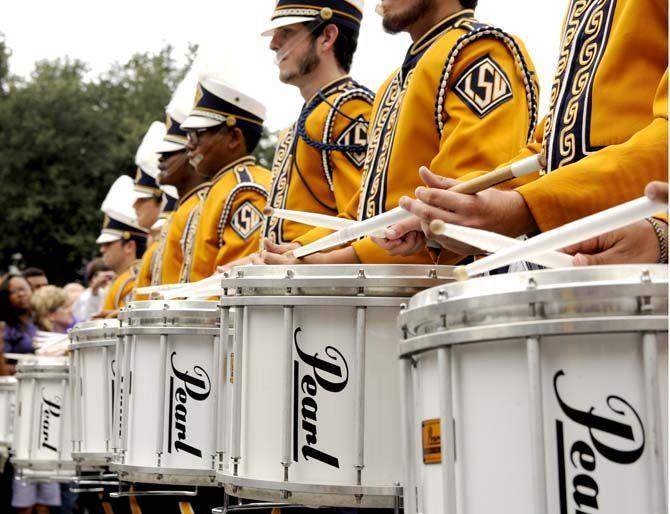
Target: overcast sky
column 100, row 33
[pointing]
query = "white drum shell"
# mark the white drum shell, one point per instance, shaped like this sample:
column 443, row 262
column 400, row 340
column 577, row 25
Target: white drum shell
column 591, row 334
column 42, row 425
column 169, row 438
column 94, row 355
column 7, row 410
column 328, row 305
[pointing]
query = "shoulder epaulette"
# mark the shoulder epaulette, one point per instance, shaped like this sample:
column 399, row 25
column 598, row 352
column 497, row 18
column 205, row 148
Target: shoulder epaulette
column 245, row 182
column 482, row 31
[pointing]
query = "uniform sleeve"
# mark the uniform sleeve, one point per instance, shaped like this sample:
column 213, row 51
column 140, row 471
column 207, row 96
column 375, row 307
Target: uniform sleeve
column 608, row 177
column 110, row 303
column 349, row 128
column 241, row 225
column 532, row 148
column 144, row 276
column 172, row 254
column 487, row 121
column 486, row 111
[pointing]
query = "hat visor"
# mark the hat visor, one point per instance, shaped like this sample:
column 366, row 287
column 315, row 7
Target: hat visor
column 169, row 146
column 284, row 21
column 196, row 122
column 106, row 237
column 139, row 194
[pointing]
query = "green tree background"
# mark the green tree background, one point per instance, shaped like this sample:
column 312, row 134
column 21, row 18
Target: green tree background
column 64, row 138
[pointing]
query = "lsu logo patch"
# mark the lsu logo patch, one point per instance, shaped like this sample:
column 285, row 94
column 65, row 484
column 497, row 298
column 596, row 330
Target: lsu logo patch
column 483, row 86
column 246, row 220
column 355, row 134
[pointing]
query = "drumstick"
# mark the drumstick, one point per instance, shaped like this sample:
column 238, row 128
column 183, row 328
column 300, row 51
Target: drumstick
column 354, row 231
column 572, row 233
column 193, row 288
column 492, row 242
column 386, row 219
column 313, row 219
column 515, row 170
column 157, row 289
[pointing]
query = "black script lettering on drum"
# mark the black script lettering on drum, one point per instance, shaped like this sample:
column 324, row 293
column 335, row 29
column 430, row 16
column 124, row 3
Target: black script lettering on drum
column 196, row 387
column 619, row 438
column 331, row 375
column 48, row 409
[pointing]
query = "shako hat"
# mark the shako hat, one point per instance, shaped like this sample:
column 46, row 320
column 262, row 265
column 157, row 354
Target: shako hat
column 176, row 113
column 341, row 12
column 218, row 102
column 146, row 160
column 120, row 222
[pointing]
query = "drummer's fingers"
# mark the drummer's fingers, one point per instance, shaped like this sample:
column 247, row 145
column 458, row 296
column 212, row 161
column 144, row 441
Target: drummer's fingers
column 279, row 248
column 447, row 200
column 425, row 211
column 434, row 180
column 657, row 191
column 404, row 227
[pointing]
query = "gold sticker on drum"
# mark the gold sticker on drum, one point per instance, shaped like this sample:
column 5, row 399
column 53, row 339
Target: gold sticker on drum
column 430, row 437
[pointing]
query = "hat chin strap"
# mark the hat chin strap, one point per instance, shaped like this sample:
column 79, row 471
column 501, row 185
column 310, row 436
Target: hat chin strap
column 297, row 40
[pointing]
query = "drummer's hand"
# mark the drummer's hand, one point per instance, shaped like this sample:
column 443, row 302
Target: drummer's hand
column 504, row 212
column 279, row 248
column 101, row 315
column 404, row 238
column 657, row 191
column 634, row 244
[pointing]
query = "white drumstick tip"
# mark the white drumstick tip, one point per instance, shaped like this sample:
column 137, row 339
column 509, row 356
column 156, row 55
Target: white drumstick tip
column 461, row 273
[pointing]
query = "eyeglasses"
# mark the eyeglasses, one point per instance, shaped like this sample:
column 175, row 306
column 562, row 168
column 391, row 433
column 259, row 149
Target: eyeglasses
column 193, row 136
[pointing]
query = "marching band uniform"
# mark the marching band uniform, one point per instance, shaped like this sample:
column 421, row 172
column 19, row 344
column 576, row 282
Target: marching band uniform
column 464, row 98
column 606, row 135
column 121, row 290
column 178, row 249
column 146, row 186
column 232, row 214
column 319, row 159
column 120, row 224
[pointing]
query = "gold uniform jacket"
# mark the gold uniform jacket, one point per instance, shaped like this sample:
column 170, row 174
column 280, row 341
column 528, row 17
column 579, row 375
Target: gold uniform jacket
column 146, row 265
column 232, row 216
column 606, row 135
column 181, row 236
column 465, row 98
column 121, row 290
column 318, row 162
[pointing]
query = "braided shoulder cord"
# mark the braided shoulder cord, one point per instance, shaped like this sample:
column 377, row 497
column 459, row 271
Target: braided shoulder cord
column 519, row 60
column 301, row 129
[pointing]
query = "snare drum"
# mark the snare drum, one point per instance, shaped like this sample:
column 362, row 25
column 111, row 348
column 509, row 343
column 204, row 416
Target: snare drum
column 94, row 371
column 315, row 406
column 7, row 409
column 541, row 391
column 42, row 442
column 168, row 425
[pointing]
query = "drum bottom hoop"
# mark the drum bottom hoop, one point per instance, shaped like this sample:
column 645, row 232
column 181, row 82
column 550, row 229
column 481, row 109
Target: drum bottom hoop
column 165, row 476
column 317, row 495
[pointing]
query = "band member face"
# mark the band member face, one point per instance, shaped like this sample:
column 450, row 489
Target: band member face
column 37, row 282
column 174, row 168
column 208, row 150
column 114, row 254
column 400, row 15
column 147, row 210
column 296, row 52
